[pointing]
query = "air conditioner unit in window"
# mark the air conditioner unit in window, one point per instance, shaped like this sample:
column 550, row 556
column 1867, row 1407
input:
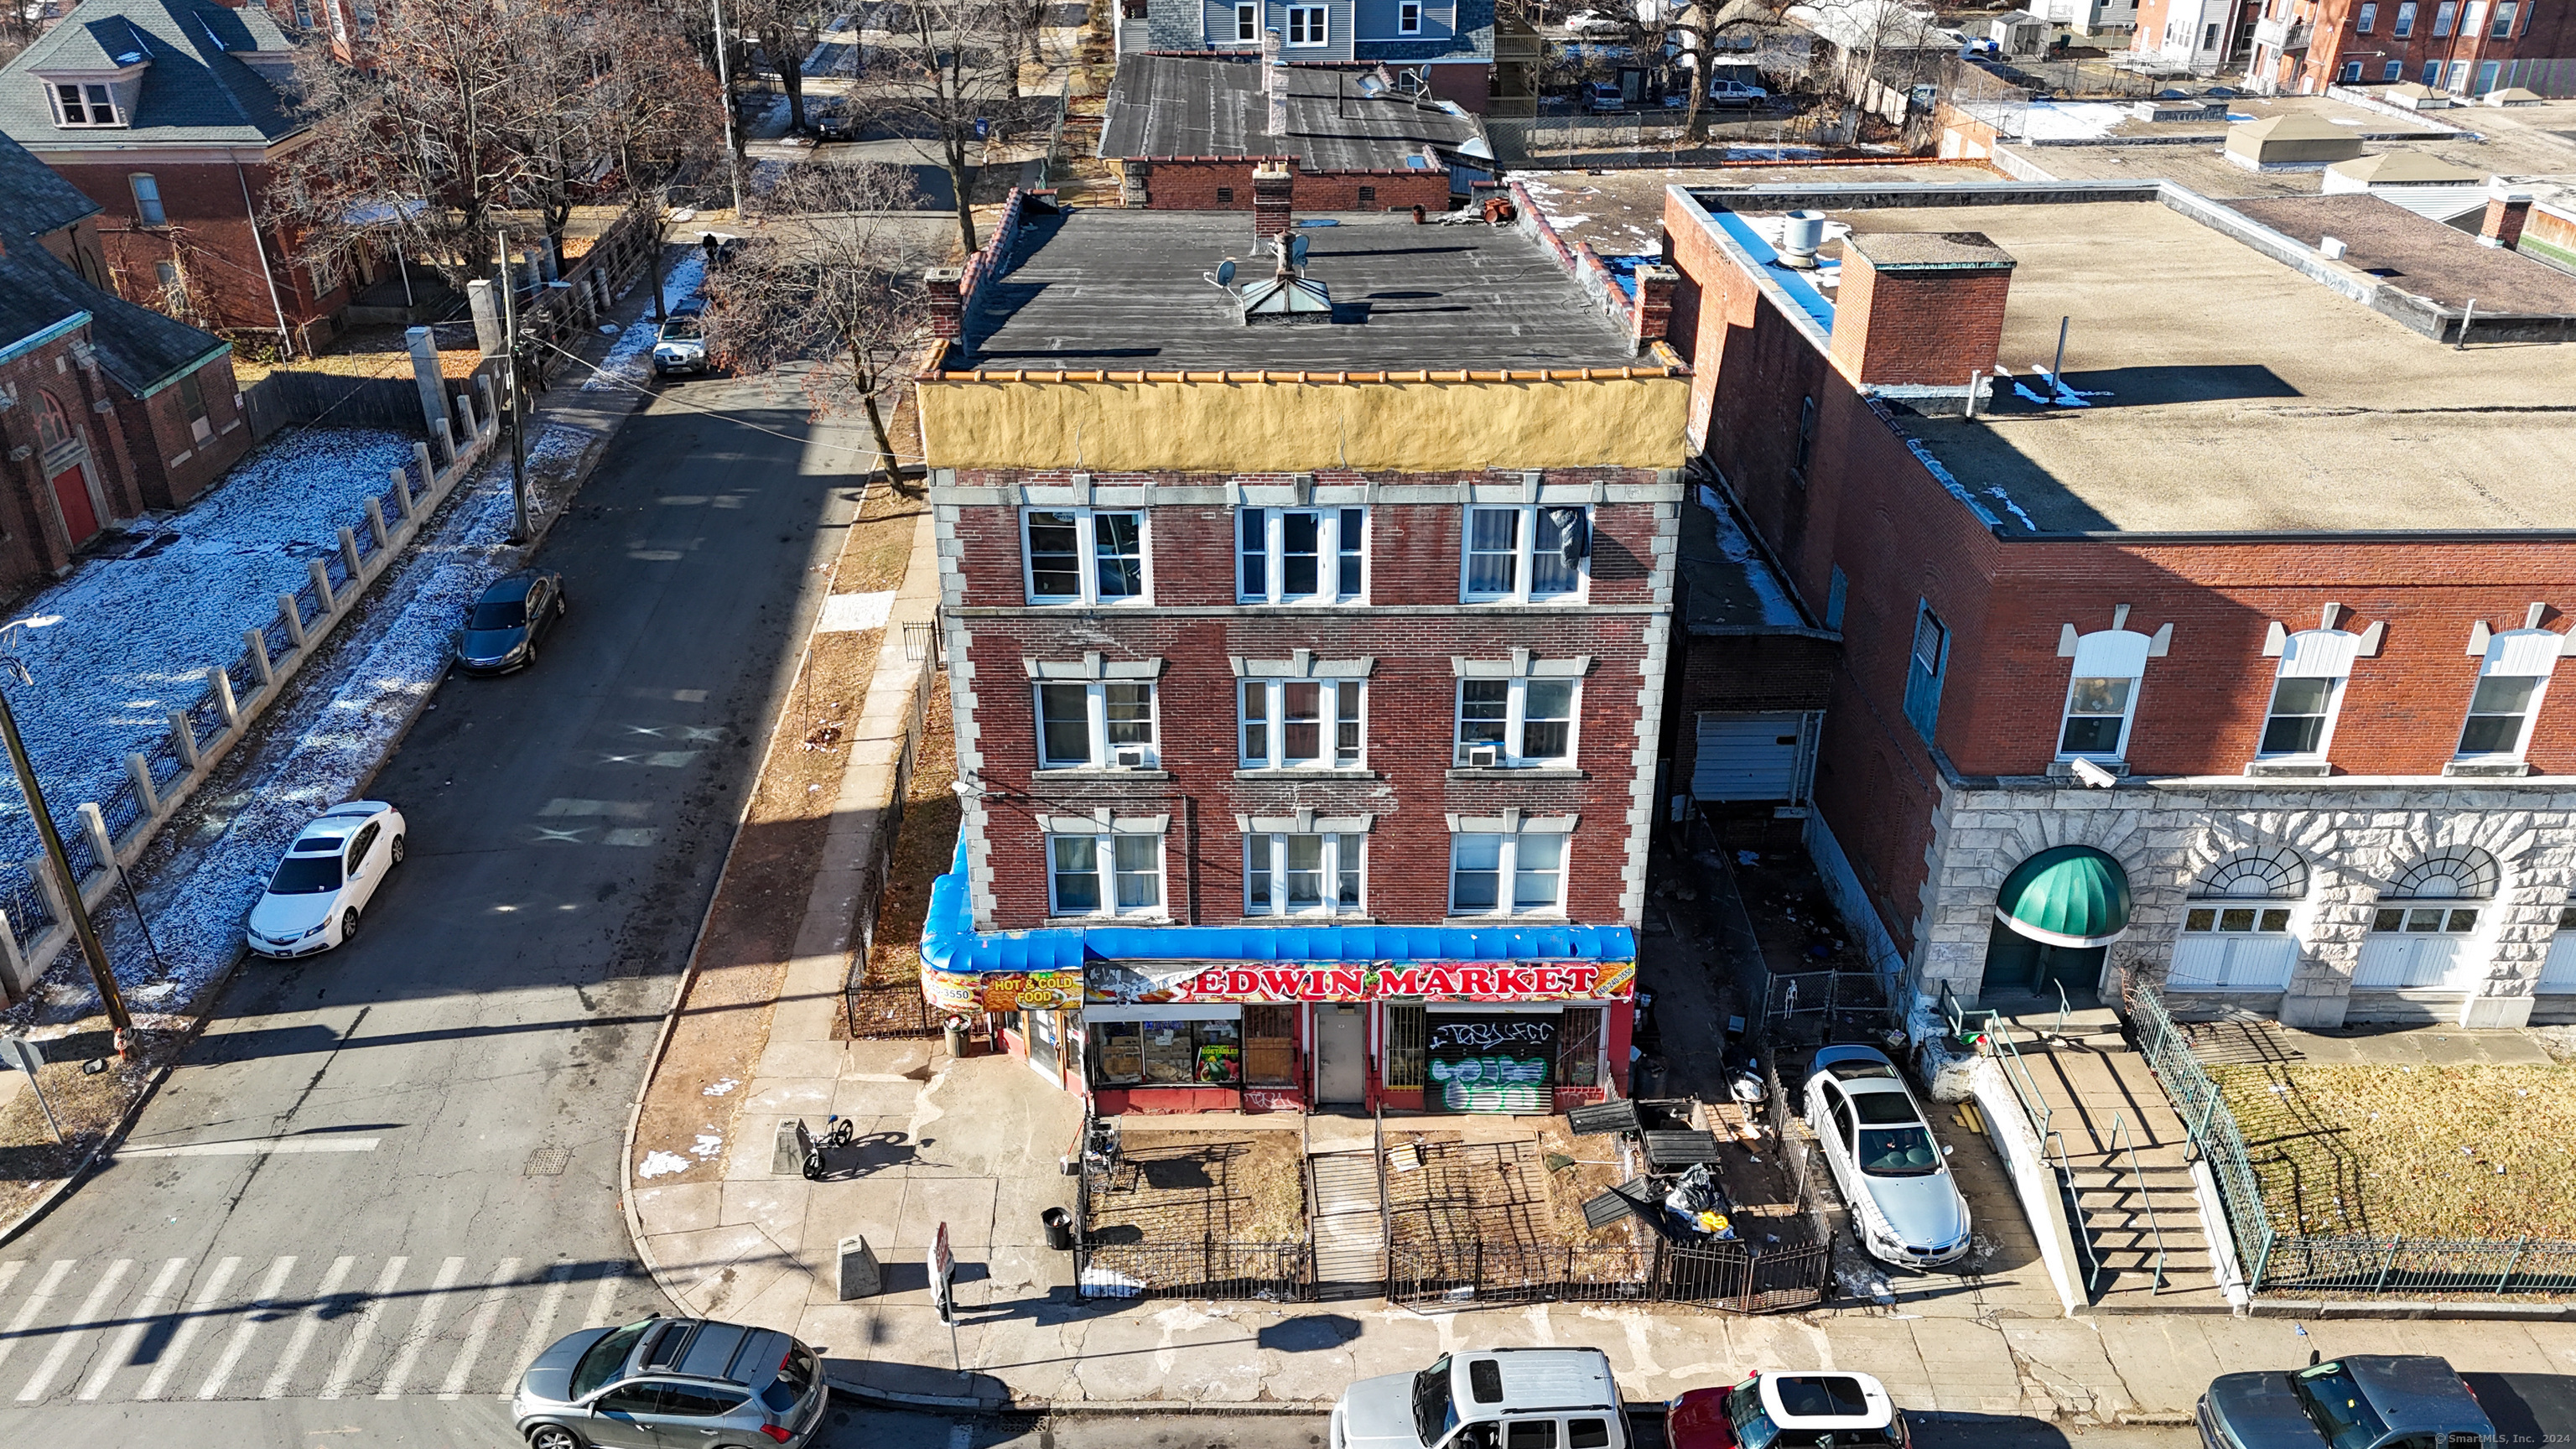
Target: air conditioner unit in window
column 1128, row 759
column 1482, row 757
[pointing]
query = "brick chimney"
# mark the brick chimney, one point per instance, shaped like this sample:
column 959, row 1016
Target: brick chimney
column 1272, row 188
column 1654, row 315
column 2506, row 213
column 1920, row 309
column 947, row 302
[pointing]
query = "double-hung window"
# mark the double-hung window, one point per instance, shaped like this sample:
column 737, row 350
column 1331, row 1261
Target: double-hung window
column 2503, row 21
column 1302, row 724
column 1114, row 874
column 1247, row 24
column 2511, row 683
column 2443, row 15
column 2102, row 695
column 147, row 200
column 2364, row 17
column 85, row 105
column 1084, row 555
column 2404, row 25
column 1306, row 25
column 1300, row 555
column 1408, row 17
column 1107, row 725
column 2306, row 693
column 1516, row 722
column 1526, row 554
column 1925, row 664
column 1303, row 875
column 2392, row 71
column 1507, row 873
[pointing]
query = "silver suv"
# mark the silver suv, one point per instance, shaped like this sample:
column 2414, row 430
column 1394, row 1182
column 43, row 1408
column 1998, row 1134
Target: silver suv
column 668, row 1380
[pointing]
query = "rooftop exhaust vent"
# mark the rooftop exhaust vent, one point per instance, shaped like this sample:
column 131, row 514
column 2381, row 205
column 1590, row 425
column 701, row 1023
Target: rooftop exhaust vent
column 1286, row 295
column 1799, row 239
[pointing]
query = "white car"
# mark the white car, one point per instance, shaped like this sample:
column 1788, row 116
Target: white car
column 1594, row 22
column 329, row 873
column 1895, row 1174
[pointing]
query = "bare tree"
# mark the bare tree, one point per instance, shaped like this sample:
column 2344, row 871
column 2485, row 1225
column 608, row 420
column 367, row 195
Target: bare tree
column 946, row 66
column 789, row 31
column 828, row 276
column 1699, row 25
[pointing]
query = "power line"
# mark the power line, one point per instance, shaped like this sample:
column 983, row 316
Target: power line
column 615, row 381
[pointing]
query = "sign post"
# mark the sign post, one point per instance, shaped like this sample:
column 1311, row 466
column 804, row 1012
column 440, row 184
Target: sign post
column 26, row 1056
column 943, row 1293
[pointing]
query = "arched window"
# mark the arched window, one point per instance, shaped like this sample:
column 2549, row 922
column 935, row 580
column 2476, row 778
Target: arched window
column 52, row 428
column 2421, row 934
column 2236, row 932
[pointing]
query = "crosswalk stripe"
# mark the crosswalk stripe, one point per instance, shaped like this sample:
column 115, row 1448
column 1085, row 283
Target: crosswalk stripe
column 601, row 1297
column 154, row 1302
column 305, row 1327
column 176, row 1350
column 36, row 1302
column 76, row 1333
column 541, row 1324
column 484, row 1316
column 422, row 1326
column 269, row 1288
column 363, row 1332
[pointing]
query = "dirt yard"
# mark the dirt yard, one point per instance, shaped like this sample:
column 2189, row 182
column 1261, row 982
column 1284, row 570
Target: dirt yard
column 2453, row 1152
column 1181, row 1187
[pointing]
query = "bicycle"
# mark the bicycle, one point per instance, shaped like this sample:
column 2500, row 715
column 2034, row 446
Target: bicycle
column 838, row 1131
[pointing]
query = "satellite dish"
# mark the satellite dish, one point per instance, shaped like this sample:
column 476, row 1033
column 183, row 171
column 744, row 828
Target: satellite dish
column 1225, row 272
column 1297, row 250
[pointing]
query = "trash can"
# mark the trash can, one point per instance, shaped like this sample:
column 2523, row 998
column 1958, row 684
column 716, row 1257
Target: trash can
column 1059, row 1229
column 956, row 1038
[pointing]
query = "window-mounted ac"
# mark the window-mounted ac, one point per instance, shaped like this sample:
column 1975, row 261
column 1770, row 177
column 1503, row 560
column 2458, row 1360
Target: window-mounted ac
column 1128, row 759
column 1482, row 757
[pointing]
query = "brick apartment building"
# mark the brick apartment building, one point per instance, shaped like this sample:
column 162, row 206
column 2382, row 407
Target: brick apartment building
column 1306, row 665
column 172, row 116
column 2223, row 658
column 107, row 409
column 2467, row 47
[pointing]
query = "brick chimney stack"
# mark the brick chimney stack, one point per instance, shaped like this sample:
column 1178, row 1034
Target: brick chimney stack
column 2506, row 213
column 1272, row 186
column 1920, row 309
column 1654, row 315
column 947, row 302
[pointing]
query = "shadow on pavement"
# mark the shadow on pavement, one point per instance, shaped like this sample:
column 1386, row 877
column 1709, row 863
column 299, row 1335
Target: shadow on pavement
column 1317, row 1333
column 2529, row 1410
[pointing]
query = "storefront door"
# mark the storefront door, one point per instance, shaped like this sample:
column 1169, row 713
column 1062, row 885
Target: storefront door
column 1341, row 1054
column 1046, row 1044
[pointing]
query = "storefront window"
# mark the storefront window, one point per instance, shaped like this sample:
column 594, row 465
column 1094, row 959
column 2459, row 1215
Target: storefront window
column 1269, row 1046
column 1166, row 1053
column 1117, row 1053
column 1404, row 1032
column 1578, row 1047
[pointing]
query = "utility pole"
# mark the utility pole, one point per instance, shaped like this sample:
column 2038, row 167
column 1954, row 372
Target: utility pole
column 518, row 429
column 91, row 950
column 724, row 79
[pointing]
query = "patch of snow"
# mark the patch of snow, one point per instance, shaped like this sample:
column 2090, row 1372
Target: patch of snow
column 2074, row 120
column 1942, row 475
column 662, row 1164
column 629, row 363
column 718, row 1089
column 1777, row 610
column 708, row 1145
column 2000, row 496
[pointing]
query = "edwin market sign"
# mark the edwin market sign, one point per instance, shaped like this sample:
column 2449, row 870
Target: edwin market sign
column 1133, row 984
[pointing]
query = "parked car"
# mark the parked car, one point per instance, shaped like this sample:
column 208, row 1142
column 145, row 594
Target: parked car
column 1595, row 22
column 503, row 626
column 1480, row 1400
column 1724, row 92
column 1788, row 1410
column 682, row 345
column 2363, row 1402
column 1603, row 96
column 1891, row 1169
column 330, row 871
column 669, row 1381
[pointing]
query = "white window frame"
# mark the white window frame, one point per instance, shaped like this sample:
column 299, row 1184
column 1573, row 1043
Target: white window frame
column 1105, row 874
column 2364, row 17
column 1087, row 554
column 1335, row 845
column 1515, row 725
column 1507, row 871
column 1318, row 22
column 1524, row 546
column 2403, row 26
column 1408, row 17
column 1247, row 24
column 90, row 91
column 2112, row 655
column 2514, row 654
column 2325, row 654
column 2393, row 72
column 1333, row 526
column 149, row 209
column 1095, row 694
column 1273, row 724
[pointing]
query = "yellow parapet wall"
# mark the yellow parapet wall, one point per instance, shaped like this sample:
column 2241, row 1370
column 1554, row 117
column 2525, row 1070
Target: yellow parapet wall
column 1273, row 423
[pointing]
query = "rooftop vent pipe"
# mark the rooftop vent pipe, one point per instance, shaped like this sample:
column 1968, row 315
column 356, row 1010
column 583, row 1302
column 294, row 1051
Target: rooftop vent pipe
column 1799, row 239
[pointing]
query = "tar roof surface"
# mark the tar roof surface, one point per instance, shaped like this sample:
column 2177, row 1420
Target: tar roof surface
column 1170, row 105
column 1098, row 288
column 2421, row 255
column 2234, row 395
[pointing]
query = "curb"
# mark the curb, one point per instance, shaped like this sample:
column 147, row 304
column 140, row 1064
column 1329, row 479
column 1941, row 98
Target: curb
column 2321, row 1308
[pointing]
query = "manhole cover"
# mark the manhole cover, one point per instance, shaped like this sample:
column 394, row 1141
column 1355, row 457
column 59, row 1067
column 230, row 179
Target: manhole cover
column 548, row 1162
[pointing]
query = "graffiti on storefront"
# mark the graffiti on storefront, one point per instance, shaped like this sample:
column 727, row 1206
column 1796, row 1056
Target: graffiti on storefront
column 1493, row 1063
column 1135, row 984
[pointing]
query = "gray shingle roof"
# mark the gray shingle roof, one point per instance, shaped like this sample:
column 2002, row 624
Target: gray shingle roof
column 140, row 349
column 1166, row 105
column 193, row 89
column 33, row 199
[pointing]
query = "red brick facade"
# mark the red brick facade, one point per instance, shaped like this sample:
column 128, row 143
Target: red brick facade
column 1912, row 327
column 1224, row 183
column 207, row 236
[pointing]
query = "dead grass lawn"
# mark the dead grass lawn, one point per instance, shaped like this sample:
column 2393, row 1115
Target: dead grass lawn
column 1182, row 1187
column 2456, row 1152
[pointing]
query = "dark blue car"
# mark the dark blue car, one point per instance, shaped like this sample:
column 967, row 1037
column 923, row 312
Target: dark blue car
column 2367, row 1401
column 503, row 627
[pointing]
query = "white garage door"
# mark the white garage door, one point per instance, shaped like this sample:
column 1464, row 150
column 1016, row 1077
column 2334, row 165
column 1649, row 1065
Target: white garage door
column 1752, row 757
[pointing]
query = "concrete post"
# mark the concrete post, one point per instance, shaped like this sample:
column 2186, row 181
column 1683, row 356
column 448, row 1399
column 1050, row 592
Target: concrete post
column 262, row 668
column 349, row 553
column 376, row 523
column 485, row 408
column 221, row 681
column 100, row 844
column 183, row 738
column 141, row 770
column 428, row 468
column 402, row 494
column 446, row 439
column 15, row 978
column 424, row 374
column 322, row 584
column 41, row 870
column 487, row 316
column 294, row 618
column 859, row 1275
column 465, row 419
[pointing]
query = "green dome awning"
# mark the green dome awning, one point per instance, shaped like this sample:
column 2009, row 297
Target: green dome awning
column 2071, row 895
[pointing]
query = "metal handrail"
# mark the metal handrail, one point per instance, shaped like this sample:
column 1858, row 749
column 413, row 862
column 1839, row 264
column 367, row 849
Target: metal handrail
column 2060, row 1033
column 2119, row 1141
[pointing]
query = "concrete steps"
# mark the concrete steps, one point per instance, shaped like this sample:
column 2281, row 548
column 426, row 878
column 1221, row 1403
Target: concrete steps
column 1350, row 1231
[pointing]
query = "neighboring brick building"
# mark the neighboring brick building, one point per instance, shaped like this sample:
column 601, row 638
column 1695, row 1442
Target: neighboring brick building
column 107, row 409
column 2285, row 577
column 2467, row 47
column 1307, row 710
column 1752, row 672
column 172, row 115
column 1186, row 133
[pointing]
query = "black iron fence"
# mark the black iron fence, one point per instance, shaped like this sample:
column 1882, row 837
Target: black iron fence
column 1208, row 1268
column 885, row 1010
column 1734, row 1277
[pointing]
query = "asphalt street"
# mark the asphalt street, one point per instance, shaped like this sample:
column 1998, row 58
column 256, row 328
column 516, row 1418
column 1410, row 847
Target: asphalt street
column 390, row 1172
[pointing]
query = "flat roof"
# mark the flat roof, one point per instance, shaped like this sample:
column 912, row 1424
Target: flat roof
column 1110, row 289
column 2420, row 255
column 1173, row 105
column 1621, row 213
column 2227, row 393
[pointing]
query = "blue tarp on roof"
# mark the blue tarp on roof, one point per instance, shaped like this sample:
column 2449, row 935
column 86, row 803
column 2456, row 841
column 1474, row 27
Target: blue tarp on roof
column 949, row 943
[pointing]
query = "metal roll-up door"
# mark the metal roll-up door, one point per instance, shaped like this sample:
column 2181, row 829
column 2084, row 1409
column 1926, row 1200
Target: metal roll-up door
column 1754, row 757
